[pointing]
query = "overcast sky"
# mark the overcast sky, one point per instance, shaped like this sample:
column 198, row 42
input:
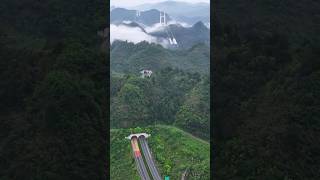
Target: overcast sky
column 130, row 3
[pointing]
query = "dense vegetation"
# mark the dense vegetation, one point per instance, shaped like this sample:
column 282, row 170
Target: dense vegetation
column 174, row 150
column 131, row 58
column 176, row 94
column 170, row 96
column 54, row 78
column 266, row 90
column 53, row 90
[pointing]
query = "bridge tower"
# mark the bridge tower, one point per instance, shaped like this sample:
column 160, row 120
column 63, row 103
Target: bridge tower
column 163, row 20
column 138, row 13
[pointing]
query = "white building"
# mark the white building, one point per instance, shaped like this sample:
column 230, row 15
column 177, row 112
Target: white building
column 146, row 73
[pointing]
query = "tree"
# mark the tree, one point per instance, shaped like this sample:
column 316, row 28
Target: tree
column 66, row 125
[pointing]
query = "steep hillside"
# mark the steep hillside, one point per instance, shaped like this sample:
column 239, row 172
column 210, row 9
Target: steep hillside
column 131, row 58
column 266, row 88
column 169, row 96
column 299, row 19
column 186, row 36
column 53, row 90
column 173, row 149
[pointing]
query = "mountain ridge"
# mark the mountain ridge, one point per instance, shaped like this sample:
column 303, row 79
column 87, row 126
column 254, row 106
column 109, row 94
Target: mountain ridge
column 182, row 11
column 186, row 37
column 130, row 58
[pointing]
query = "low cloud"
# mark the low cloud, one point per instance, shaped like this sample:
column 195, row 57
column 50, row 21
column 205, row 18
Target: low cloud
column 154, row 28
column 133, row 34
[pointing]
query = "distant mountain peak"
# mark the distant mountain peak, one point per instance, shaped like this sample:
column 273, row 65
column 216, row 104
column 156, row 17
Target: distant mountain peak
column 186, row 12
column 199, row 25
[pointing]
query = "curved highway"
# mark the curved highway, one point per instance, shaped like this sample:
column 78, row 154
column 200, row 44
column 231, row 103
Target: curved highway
column 150, row 162
column 139, row 160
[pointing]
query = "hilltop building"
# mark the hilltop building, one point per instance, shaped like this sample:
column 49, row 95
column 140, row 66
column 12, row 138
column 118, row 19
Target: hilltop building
column 146, row 73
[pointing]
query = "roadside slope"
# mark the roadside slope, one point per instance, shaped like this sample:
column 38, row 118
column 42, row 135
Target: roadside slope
column 173, row 150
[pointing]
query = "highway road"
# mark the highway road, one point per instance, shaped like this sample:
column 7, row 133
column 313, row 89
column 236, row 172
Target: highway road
column 150, row 162
column 139, row 160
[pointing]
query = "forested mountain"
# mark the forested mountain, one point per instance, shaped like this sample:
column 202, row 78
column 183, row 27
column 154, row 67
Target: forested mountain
column 186, row 36
column 194, row 114
column 266, row 90
column 297, row 18
column 175, row 96
column 131, row 58
column 149, row 17
column 170, row 96
column 145, row 25
column 53, row 90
